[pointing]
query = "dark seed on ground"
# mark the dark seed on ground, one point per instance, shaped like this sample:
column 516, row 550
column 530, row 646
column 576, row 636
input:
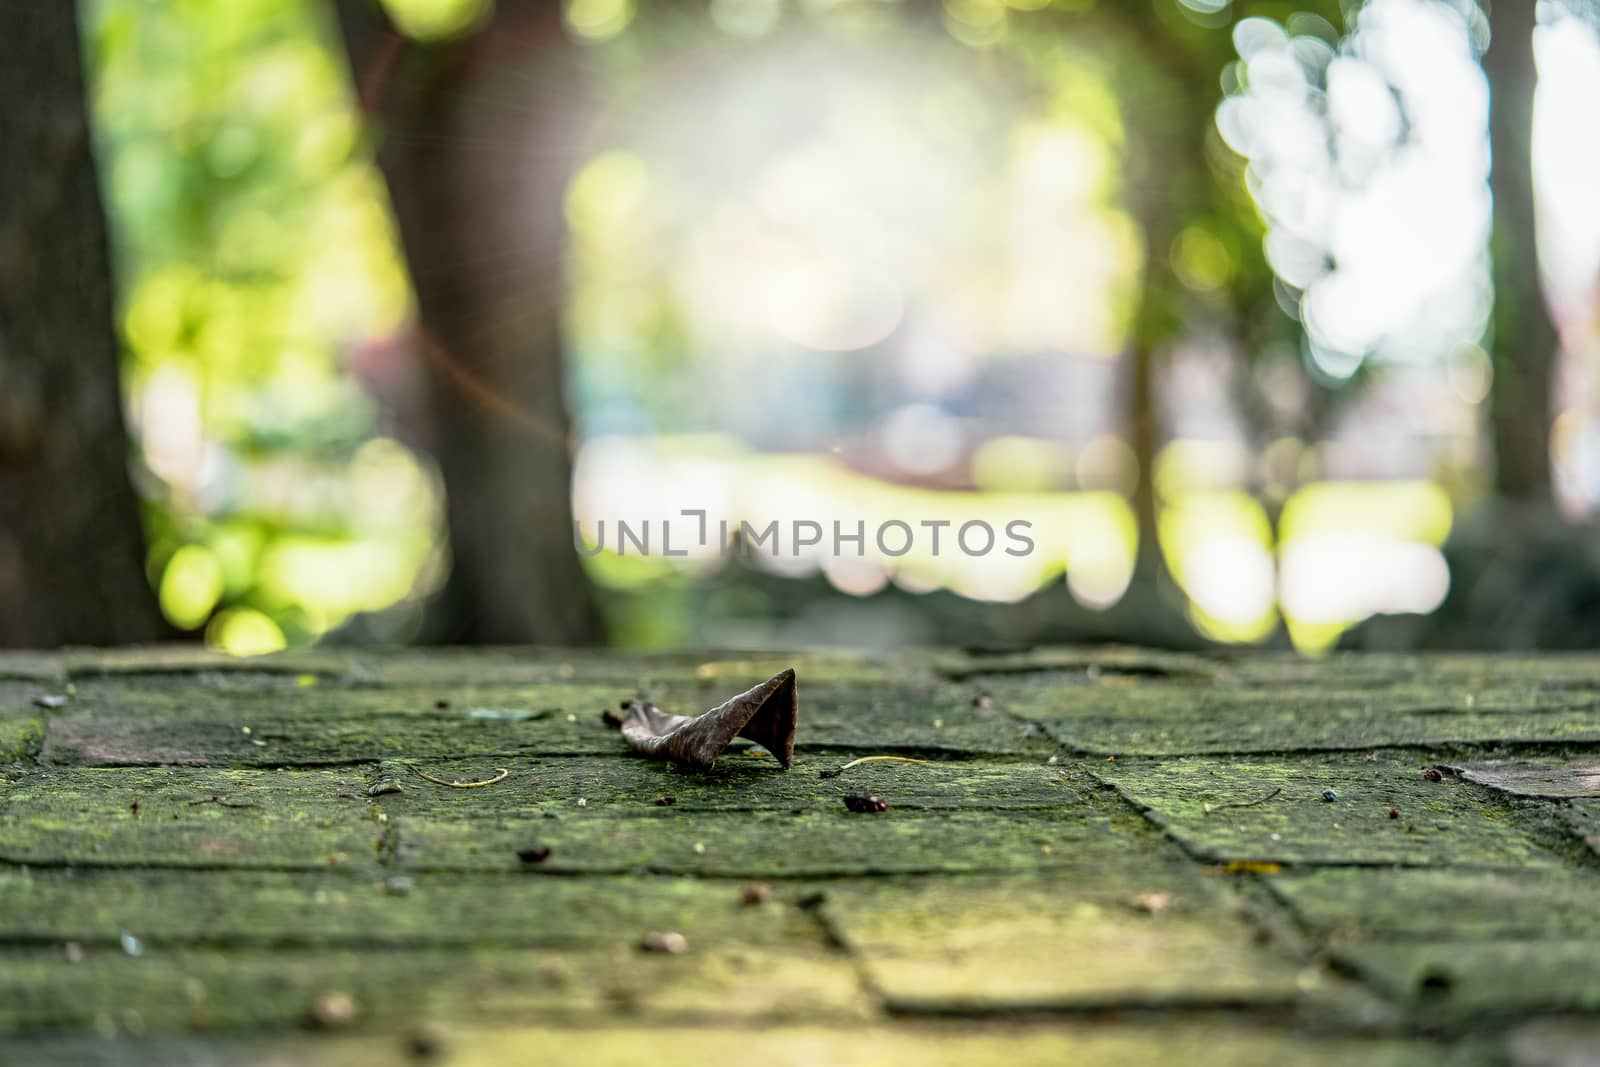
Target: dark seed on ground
column 754, row 894
column 666, row 801
column 426, row 1040
column 611, row 719
column 1432, row 774
column 1329, row 795
column 1394, row 813
column 864, row 802
column 537, row 854
column 441, row 703
column 829, row 774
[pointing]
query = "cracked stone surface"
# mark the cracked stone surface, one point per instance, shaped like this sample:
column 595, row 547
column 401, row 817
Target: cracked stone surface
column 1089, row 855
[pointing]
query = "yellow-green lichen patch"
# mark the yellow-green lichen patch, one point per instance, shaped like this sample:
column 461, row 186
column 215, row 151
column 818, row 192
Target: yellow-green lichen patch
column 764, row 844
column 20, row 737
column 389, row 911
column 1059, row 942
column 962, row 1043
column 1161, row 718
column 1420, row 903
column 209, row 989
column 745, row 779
column 1454, row 982
column 1328, row 810
column 187, row 817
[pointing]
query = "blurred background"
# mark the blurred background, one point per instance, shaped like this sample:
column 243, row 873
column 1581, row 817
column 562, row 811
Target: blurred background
column 1276, row 321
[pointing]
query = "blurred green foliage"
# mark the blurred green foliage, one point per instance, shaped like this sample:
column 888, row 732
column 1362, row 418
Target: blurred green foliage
column 266, row 312
column 254, row 252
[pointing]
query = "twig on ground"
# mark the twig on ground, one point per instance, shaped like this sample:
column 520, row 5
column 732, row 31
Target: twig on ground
column 220, row 802
column 500, row 775
column 1209, row 808
column 869, row 759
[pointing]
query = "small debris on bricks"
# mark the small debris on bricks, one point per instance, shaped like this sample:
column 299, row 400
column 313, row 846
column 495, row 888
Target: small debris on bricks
column 1394, row 813
column 1330, row 795
column 668, row 942
column 330, row 1011
column 666, row 801
column 610, row 720
column 536, row 854
column 1152, row 902
column 1432, row 774
column 754, row 894
column 865, row 803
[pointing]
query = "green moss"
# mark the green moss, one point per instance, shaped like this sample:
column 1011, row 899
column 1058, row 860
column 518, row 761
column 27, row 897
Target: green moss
column 1418, row 903
column 187, row 817
column 807, row 844
column 1124, row 717
column 1274, row 811
column 20, row 737
column 343, row 907
column 1444, row 983
column 747, row 779
column 255, row 825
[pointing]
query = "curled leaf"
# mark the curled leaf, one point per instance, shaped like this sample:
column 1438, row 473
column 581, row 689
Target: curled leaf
column 766, row 714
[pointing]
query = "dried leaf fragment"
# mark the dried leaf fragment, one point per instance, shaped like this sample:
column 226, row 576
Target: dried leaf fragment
column 1559, row 778
column 766, row 714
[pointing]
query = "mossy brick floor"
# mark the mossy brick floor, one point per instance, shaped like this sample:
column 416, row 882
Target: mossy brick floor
column 1108, row 856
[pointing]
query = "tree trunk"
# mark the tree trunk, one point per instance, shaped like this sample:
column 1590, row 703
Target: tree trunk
column 1168, row 175
column 71, row 547
column 1524, row 338
column 477, row 139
